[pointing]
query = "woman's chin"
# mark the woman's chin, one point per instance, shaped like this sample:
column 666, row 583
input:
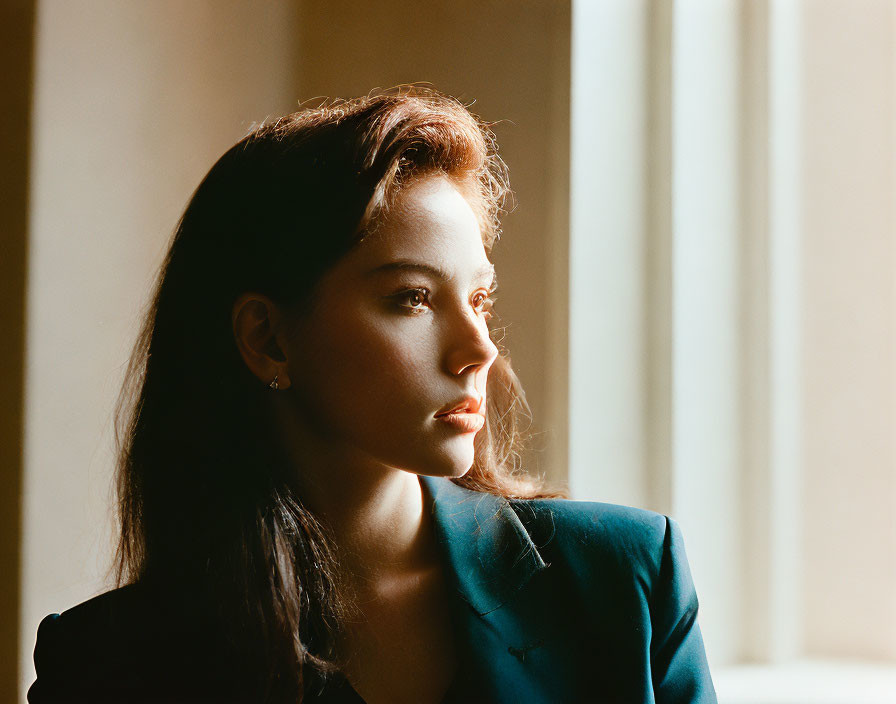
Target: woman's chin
column 461, row 472
column 449, row 471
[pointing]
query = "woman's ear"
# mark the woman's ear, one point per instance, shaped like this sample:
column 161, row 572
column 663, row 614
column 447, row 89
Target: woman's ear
column 255, row 319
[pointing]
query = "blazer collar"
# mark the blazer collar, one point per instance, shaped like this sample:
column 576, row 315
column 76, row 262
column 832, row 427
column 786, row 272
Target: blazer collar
column 489, row 549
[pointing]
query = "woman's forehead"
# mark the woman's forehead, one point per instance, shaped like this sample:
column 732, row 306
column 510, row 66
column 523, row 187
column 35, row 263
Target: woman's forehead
column 433, row 269
column 430, row 220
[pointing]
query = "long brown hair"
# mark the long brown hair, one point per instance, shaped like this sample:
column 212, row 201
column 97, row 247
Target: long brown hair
column 205, row 497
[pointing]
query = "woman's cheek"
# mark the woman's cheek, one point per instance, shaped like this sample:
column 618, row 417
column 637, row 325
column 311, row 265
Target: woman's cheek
column 367, row 362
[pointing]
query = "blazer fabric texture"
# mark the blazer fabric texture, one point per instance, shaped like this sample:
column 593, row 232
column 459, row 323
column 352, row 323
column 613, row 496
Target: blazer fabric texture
column 553, row 601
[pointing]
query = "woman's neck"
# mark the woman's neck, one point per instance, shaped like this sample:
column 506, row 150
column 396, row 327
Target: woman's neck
column 376, row 514
column 381, row 529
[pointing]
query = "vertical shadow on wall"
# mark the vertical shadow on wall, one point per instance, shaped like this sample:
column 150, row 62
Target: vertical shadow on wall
column 16, row 58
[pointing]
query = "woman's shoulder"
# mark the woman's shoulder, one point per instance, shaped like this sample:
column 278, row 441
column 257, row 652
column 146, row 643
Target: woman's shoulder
column 594, row 523
column 622, row 573
column 118, row 646
column 609, row 538
column 80, row 647
column 133, row 612
column 93, row 622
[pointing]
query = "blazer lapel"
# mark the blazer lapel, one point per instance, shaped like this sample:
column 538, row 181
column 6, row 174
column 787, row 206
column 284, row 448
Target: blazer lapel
column 500, row 623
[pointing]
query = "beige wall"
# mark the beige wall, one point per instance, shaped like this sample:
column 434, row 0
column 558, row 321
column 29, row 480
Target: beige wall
column 513, row 59
column 133, row 102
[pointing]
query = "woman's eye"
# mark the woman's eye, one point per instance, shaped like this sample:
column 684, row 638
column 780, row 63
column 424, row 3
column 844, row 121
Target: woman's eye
column 415, row 297
column 487, row 302
column 412, row 300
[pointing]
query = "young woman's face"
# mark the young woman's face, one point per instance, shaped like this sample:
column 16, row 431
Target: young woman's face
column 387, row 347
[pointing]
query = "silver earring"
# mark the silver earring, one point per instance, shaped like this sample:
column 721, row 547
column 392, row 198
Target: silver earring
column 274, row 384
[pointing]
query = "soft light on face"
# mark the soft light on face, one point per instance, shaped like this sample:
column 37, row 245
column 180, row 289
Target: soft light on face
column 390, row 343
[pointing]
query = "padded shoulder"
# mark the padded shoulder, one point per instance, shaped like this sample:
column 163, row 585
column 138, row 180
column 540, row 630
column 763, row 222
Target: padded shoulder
column 86, row 645
column 100, row 614
column 128, row 644
column 595, row 537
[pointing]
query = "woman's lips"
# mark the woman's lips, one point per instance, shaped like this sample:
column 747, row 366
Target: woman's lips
column 466, row 422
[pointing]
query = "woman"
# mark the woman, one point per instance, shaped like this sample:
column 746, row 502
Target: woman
column 318, row 481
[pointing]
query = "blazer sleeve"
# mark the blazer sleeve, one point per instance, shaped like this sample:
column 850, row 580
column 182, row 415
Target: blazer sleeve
column 679, row 667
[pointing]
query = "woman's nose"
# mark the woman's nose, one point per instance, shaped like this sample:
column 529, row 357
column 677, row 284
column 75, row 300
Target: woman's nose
column 471, row 344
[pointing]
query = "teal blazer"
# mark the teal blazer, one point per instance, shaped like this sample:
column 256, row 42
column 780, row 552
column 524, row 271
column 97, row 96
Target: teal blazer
column 553, row 601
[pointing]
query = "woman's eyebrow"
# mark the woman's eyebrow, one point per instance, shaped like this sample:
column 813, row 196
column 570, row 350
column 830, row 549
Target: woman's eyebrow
column 487, row 271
